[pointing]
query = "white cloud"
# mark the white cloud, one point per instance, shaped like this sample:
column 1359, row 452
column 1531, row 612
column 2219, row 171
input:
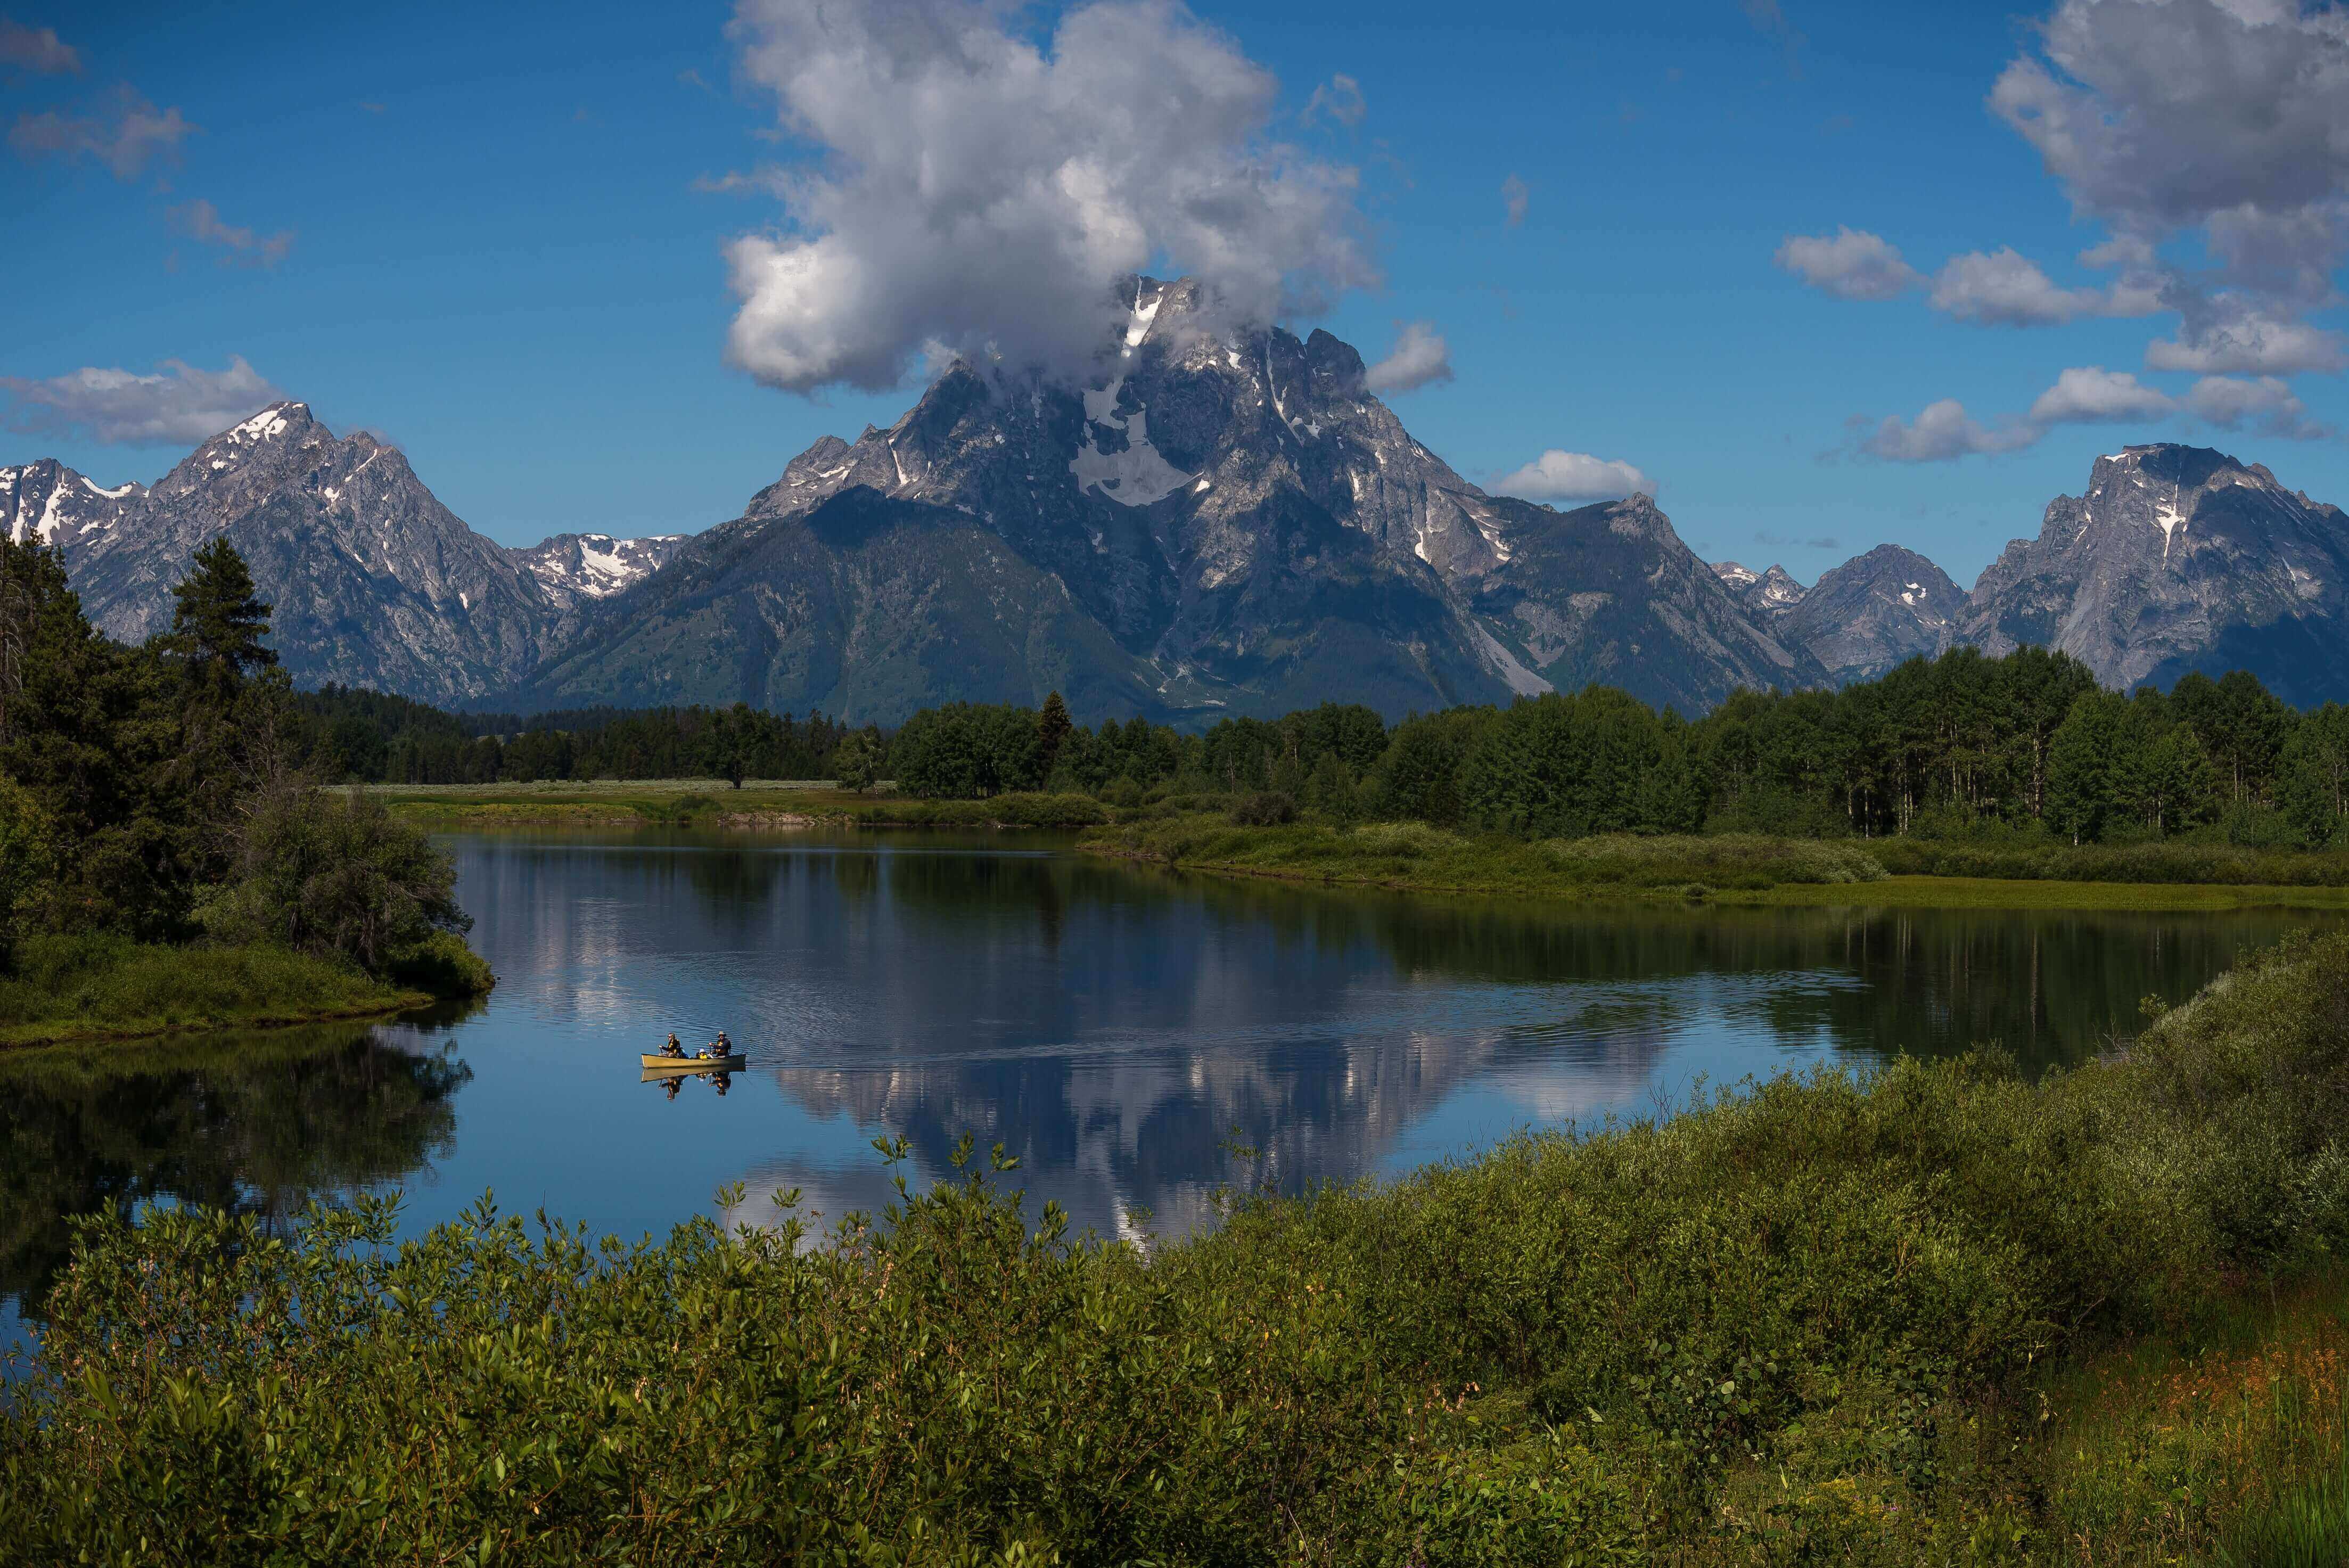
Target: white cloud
column 1852, row 263
column 1340, row 98
column 200, row 222
column 2165, row 117
column 1418, row 358
column 1558, row 476
column 180, row 405
column 2160, row 114
column 1943, row 431
column 2005, row 288
column 1515, row 195
column 2231, row 337
column 36, row 49
column 2093, row 394
column 976, row 190
column 2269, row 402
column 123, row 132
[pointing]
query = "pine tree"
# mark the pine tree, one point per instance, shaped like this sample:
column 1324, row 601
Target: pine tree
column 219, row 623
column 1052, row 727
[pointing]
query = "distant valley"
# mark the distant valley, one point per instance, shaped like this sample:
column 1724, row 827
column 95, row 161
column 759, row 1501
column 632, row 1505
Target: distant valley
column 1228, row 522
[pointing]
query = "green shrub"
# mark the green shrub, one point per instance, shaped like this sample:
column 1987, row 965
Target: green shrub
column 1782, row 1326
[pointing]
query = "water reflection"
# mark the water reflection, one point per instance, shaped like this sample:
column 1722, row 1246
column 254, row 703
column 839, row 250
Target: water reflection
column 257, row 1124
column 1117, row 1029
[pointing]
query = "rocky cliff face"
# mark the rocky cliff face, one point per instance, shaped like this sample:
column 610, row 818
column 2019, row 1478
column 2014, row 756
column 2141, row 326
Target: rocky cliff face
column 47, row 501
column 373, row 582
column 2178, row 558
column 1764, row 594
column 1225, row 521
column 1873, row 612
column 577, row 569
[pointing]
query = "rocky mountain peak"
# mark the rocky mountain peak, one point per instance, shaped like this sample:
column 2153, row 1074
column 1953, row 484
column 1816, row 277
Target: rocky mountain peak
column 1875, row 611
column 47, row 501
column 2178, row 558
column 1763, row 593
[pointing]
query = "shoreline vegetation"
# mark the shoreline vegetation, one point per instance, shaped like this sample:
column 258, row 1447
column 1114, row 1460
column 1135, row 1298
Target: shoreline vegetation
column 1928, row 1313
column 165, row 862
column 66, row 991
column 1199, row 834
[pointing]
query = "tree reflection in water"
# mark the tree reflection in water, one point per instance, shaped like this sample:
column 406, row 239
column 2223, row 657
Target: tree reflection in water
column 255, row 1123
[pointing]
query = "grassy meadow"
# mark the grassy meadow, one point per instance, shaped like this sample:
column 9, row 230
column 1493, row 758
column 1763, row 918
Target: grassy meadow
column 1931, row 1314
column 100, row 987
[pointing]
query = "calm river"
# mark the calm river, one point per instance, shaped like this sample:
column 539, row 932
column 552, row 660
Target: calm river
column 1123, row 1030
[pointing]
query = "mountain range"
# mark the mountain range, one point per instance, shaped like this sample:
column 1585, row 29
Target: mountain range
column 1226, row 521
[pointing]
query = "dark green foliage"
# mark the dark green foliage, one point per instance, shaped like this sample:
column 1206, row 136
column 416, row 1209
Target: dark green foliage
column 1052, row 727
column 151, row 793
column 335, row 873
column 967, row 751
column 348, row 733
column 856, row 761
column 1800, row 1322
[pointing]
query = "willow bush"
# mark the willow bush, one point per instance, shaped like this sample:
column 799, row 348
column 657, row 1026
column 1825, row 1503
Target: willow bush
column 1796, row 1322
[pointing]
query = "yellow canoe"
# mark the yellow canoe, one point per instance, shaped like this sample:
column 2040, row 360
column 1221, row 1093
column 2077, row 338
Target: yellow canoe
column 695, row 1063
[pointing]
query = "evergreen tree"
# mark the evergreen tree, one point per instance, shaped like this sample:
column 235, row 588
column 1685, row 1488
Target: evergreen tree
column 1052, row 727
column 219, row 625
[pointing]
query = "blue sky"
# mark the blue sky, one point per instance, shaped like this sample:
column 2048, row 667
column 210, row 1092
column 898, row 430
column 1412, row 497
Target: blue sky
column 488, row 233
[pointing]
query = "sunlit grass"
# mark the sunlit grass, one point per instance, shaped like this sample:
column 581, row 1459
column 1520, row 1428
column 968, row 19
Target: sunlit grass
column 86, row 989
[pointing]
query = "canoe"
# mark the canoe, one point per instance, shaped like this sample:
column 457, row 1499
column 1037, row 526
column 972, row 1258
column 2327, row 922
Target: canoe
column 695, row 1063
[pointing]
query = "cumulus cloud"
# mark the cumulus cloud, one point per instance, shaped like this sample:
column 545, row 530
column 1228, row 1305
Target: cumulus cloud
column 977, row 191
column 36, row 49
column 200, row 222
column 123, row 131
column 1515, row 194
column 2092, row 394
column 2161, row 115
column 1559, row 475
column 1340, row 98
column 2004, row 288
column 1850, row 264
column 180, row 405
column 1943, row 431
column 1418, row 358
column 2267, row 404
column 2229, row 336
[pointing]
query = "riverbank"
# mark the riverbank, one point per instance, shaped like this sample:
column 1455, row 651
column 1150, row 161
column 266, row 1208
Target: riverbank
column 1934, row 1313
column 99, row 989
column 760, row 804
column 1729, row 868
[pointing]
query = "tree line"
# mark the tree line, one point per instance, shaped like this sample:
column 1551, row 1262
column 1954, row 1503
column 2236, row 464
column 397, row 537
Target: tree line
column 1962, row 744
column 158, row 793
column 350, row 733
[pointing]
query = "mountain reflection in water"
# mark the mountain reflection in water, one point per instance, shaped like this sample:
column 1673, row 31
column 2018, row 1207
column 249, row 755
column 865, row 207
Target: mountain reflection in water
column 1119, row 1029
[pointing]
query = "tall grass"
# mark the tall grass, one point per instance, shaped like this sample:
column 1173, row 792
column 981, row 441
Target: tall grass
column 1415, row 855
column 100, row 986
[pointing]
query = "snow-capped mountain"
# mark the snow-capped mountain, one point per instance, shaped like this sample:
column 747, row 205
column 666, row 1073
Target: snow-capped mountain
column 1767, row 593
column 373, row 582
column 1224, row 521
column 2178, row 558
column 49, row 501
column 578, row 568
column 1875, row 611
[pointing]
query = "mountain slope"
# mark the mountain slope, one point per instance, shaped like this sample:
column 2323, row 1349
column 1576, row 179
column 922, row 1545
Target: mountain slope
column 1874, row 612
column 1226, row 521
column 2178, row 558
column 372, row 580
column 50, row 503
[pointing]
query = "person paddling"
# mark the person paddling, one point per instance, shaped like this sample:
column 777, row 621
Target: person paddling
column 674, row 1048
